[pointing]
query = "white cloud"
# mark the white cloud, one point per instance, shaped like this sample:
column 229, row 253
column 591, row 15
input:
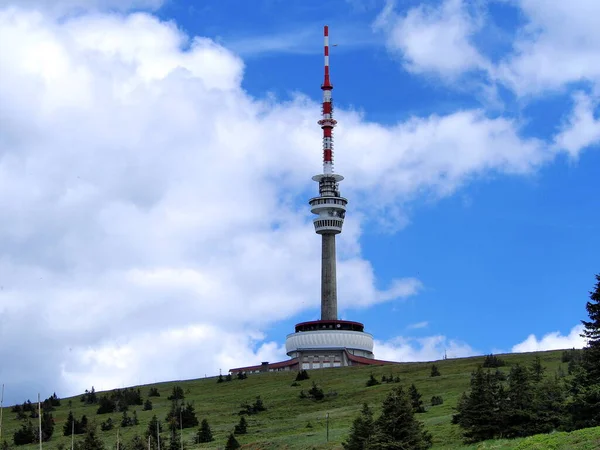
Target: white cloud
column 552, row 341
column 61, row 7
column 559, row 45
column 417, row 325
column 582, row 128
column 430, row 348
column 145, row 193
column 433, row 39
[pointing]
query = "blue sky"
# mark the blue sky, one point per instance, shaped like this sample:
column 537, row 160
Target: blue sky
column 504, row 256
column 156, row 162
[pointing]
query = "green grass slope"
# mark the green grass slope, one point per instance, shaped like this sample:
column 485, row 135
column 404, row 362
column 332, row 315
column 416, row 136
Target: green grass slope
column 294, row 423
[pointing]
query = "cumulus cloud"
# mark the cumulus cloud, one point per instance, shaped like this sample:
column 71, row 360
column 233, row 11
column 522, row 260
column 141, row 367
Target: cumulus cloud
column 434, row 39
column 560, row 44
column 149, row 201
column 582, row 127
column 430, row 348
column 61, row 7
column 552, row 341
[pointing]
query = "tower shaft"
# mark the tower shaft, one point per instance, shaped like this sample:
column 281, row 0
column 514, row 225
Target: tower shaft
column 328, row 278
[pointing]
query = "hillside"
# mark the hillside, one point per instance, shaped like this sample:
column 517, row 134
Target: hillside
column 294, row 423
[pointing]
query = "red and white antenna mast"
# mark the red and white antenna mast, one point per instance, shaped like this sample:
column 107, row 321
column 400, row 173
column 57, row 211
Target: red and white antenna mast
column 327, row 122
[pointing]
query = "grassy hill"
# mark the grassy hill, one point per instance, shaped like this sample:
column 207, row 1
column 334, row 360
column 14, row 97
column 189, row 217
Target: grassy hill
column 294, row 423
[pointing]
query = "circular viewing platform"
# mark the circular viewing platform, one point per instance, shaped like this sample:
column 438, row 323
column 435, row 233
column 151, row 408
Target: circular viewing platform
column 317, row 325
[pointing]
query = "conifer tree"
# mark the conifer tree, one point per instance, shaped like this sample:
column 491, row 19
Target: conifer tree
column 591, row 332
column 91, row 441
column 232, row 443
column 153, row 425
column 397, row 427
column 361, row 430
column 435, row 372
column 204, row 433
column 241, row 427
column 137, row 443
column 415, row 399
column 585, row 385
column 147, row 405
column 537, row 369
column 481, row 411
column 25, row 435
column 68, row 427
column 519, row 414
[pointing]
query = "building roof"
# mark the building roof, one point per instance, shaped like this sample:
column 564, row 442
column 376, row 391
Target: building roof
column 368, row 361
column 277, row 365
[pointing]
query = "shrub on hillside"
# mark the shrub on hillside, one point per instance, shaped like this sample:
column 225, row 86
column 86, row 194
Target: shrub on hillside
column 204, row 433
column 177, row 394
column 492, row 361
column 232, row 443
column 147, row 405
column 436, row 400
column 253, row 408
column 25, row 435
column 107, row 425
column 415, row 399
column 153, row 392
column 89, row 397
column 302, row 375
column 372, row 381
column 241, row 427
column 435, row 372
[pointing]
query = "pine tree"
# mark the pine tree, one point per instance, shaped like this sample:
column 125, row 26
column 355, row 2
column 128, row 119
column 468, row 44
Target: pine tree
column 204, row 433
column 519, row 415
column 241, row 427
column 415, row 399
column 372, row 381
column 585, row 385
column 177, row 393
column 147, row 405
column 24, row 435
column 134, row 419
column 537, row 370
column 153, row 392
column 81, row 425
column 232, row 443
column 174, row 441
column 126, row 420
column 91, row 440
column 435, row 372
column 68, row 426
column 591, row 332
column 397, row 427
column 137, row 443
column 481, row 412
column 153, row 425
column 361, row 430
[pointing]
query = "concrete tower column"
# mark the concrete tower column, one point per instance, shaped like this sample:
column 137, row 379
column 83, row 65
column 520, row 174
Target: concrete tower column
column 328, row 278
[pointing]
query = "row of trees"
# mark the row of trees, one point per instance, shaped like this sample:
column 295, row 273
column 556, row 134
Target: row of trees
column 526, row 402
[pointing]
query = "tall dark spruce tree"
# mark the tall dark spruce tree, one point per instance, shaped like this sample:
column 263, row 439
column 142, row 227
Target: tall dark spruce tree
column 361, row 430
column 481, row 412
column 397, row 428
column 585, row 386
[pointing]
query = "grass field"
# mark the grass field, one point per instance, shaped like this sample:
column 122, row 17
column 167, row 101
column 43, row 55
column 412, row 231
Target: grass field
column 298, row 424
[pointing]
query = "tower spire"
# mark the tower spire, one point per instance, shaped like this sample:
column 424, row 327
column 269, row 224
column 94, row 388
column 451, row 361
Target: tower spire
column 329, row 206
column 327, row 122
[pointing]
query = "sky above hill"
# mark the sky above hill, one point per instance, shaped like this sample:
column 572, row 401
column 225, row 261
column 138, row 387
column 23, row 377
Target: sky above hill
column 156, row 160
